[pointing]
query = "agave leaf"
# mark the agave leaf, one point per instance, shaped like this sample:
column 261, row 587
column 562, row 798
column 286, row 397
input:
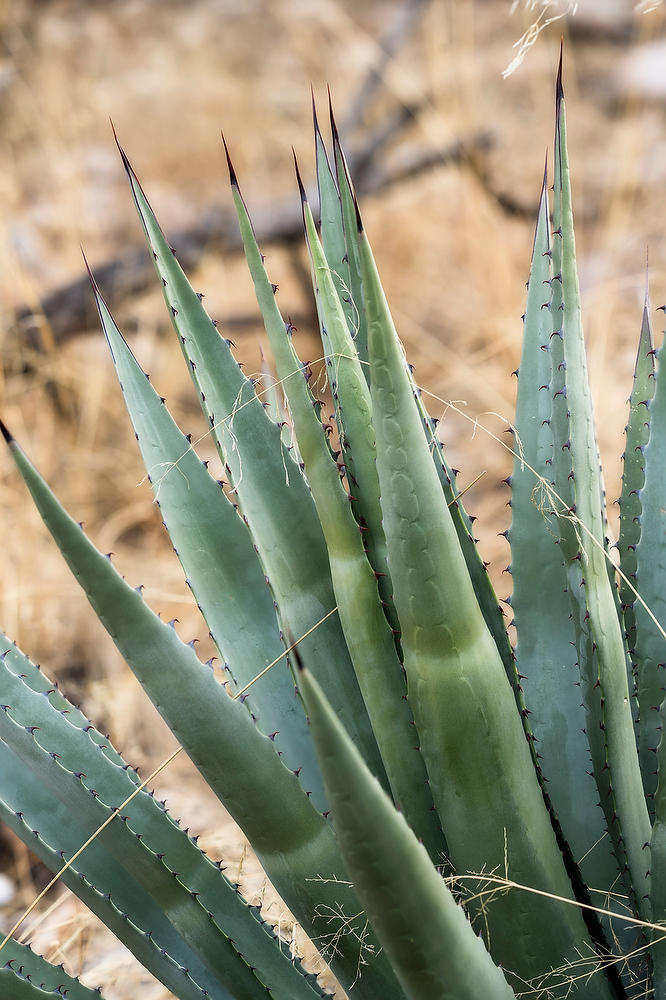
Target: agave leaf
column 545, row 654
column 354, row 413
column 41, row 820
column 293, row 841
column 13, row 659
column 367, row 632
column 271, row 490
column 447, row 477
column 650, row 648
column 462, row 522
column 431, row 945
column 599, row 640
column 220, row 564
column 633, row 479
column 205, row 909
column 25, row 975
column 658, row 897
column 457, row 684
column 358, row 328
column 332, row 229
column 346, row 359
column 193, row 706
column 356, row 311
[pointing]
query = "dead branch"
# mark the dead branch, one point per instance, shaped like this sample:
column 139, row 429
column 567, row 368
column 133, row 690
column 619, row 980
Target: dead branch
column 70, row 310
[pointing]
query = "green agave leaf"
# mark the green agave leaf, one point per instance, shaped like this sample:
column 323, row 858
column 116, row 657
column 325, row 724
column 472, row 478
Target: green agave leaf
column 633, row 480
column 332, row 229
column 355, row 311
column 13, row 659
column 545, row 654
column 432, row 947
column 53, row 832
column 220, row 563
column 25, row 975
column 599, row 639
column 457, row 684
column 194, row 705
column 294, row 843
column 353, row 408
column 41, row 820
column 462, row 522
column 270, row 487
column 650, row 652
column 343, row 360
column 212, row 918
column 367, row 632
column 658, row 898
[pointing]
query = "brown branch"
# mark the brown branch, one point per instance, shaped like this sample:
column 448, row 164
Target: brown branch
column 404, row 20
column 70, row 309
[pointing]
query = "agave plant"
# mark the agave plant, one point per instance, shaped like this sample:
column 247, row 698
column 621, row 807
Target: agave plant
column 485, row 821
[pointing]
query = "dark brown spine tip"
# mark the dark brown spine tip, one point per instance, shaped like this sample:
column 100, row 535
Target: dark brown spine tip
column 559, row 91
column 334, row 127
column 359, row 220
column 298, row 660
column 315, row 120
column 232, row 173
column 301, row 188
column 5, row 432
column 91, row 276
column 123, row 154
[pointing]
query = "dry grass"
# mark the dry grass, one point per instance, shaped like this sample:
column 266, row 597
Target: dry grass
column 171, row 74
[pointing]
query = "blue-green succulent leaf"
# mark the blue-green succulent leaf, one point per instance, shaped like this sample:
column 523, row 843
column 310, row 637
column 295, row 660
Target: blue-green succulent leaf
column 220, row 564
column 228, row 938
column 25, row 975
column 433, row 948
column 645, row 681
column 271, row 490
column 293, row 841
column 600, row 648
column 367, row 632
column 457, row 684
column 356, row 309
column 545, row 649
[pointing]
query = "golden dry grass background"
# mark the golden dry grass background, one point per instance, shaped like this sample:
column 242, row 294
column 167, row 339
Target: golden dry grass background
column 454, row 260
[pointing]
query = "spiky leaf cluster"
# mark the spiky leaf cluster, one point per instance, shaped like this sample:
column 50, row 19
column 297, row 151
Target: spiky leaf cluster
column 477, row 820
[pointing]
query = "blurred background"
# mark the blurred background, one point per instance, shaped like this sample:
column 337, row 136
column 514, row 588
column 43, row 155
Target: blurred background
column 448, row 157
